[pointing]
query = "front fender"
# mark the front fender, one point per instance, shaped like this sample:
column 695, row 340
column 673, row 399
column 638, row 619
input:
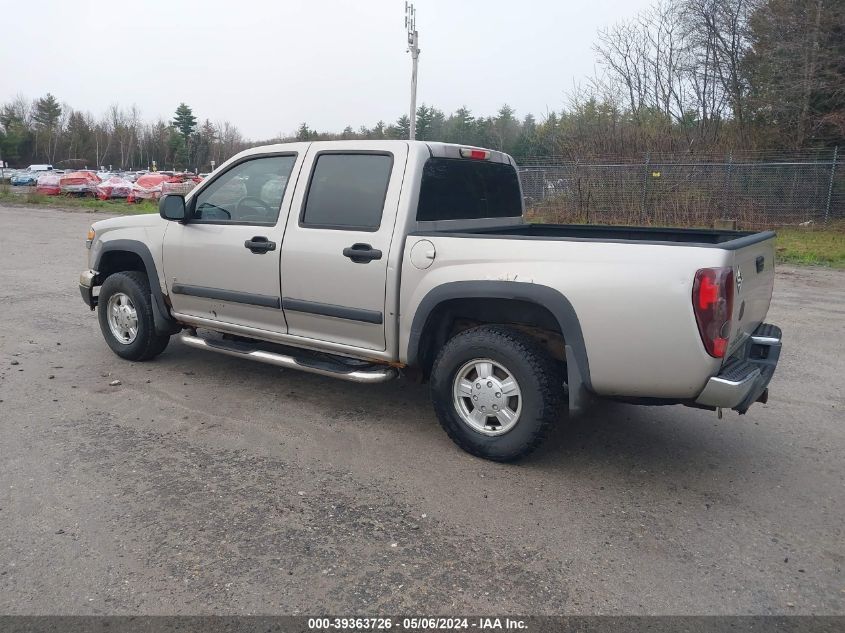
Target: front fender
column 164, row 322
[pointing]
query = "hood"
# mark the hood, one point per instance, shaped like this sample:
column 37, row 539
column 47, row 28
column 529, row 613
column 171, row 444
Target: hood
column 128, row 221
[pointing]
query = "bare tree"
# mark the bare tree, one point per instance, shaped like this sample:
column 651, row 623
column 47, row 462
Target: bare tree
column 718, row 34
column 621, row 50
column 102, row 137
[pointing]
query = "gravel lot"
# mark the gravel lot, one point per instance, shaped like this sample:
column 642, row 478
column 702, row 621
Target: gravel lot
column 204, row 484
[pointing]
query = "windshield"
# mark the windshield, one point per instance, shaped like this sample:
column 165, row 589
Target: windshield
column 461, row 189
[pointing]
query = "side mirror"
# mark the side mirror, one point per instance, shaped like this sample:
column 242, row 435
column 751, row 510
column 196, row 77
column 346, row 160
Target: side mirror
column 172, row 207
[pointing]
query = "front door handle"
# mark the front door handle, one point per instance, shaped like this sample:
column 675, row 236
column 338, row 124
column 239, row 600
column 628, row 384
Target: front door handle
column 260, row 244
column 361, row 253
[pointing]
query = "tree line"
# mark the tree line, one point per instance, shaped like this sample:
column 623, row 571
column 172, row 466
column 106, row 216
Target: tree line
column 47, row 131
column 684, row 76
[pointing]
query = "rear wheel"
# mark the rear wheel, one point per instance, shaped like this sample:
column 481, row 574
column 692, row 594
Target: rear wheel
column 496, row 392
column 125, row 313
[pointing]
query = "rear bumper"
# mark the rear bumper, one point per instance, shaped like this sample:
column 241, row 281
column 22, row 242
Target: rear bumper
column 86, row 287
column 744, row 379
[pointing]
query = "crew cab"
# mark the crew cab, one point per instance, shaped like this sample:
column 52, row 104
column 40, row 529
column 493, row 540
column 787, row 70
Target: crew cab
column 366, row 260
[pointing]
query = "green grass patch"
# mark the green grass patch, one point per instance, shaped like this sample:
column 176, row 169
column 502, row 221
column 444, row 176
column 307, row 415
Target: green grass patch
column 812, row 246
column 107, row 206
column 72, row 202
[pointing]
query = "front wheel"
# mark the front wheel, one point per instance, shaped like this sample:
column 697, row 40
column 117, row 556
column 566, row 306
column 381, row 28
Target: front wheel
column 125, row 313
column 496, row 392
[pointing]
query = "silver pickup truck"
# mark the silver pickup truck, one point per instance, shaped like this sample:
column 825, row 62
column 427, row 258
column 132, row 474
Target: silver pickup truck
column 363, row 260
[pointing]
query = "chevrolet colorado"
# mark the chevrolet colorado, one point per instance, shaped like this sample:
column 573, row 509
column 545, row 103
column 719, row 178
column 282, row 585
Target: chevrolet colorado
column 365, row 259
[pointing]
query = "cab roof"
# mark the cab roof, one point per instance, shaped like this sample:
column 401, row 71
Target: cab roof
column 433, row 148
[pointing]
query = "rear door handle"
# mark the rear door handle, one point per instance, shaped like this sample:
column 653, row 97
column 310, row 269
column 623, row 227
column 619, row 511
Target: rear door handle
column 361, row 253
column 760, row 263
column 260, row 244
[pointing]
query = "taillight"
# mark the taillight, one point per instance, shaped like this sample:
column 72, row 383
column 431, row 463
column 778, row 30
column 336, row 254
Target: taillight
column 475, row 154
column 712, row 302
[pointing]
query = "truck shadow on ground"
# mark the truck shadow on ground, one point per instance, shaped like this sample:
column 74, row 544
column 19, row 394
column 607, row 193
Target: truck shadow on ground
column 610, row 435
column 669, row 439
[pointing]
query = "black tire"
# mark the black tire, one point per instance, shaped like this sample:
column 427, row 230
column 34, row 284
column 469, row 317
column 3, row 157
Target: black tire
column 147, row 344
column 540, row 380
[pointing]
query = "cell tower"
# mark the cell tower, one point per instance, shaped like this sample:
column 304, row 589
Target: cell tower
column 414, row 49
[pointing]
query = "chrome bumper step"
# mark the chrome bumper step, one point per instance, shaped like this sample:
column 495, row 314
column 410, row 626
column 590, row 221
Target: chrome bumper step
column 336, row 367
column 744, row 379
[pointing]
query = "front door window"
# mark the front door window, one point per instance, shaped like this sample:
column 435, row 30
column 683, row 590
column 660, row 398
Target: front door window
column 248, row 193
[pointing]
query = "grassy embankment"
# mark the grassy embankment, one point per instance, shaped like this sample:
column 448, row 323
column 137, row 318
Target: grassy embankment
column 813, row 246
column 91, row 205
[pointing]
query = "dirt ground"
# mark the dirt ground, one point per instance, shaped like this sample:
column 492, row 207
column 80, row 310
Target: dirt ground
column 203, row 484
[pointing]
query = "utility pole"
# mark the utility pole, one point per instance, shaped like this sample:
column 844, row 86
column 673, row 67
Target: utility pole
column 414, row 49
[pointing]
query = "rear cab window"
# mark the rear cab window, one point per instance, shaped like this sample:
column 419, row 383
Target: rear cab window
column 464, row 189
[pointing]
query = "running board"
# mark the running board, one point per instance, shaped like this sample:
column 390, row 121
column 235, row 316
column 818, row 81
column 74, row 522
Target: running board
column 380, row 373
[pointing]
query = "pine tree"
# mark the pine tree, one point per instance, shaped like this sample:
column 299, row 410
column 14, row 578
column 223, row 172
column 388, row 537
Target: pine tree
column 526, row 144
column 185, row 121
column 505, row 129
column 303, row 133
column 425, row 116
column 461, row 127
column 46, row 116
column 401, row 129
column 47, row 111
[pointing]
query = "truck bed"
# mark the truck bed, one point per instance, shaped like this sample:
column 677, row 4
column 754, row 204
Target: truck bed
column 630, row 289
column 714, row 238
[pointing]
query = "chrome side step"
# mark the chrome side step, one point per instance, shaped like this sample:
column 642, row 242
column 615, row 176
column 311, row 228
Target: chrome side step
column 380, row 373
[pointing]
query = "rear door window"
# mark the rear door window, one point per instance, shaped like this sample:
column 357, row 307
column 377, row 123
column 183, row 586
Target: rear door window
column 347, row 191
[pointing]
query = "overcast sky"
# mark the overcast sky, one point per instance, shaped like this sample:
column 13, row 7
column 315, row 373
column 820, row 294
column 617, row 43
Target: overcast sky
column 268, row 66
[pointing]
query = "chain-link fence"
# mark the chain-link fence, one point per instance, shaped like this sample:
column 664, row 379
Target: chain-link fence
column 754, row 188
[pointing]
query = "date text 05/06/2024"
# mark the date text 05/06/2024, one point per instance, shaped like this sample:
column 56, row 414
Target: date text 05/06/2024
column 416, row 624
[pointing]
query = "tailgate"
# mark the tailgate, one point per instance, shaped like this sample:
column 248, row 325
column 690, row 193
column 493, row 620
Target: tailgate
column 754, row 275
